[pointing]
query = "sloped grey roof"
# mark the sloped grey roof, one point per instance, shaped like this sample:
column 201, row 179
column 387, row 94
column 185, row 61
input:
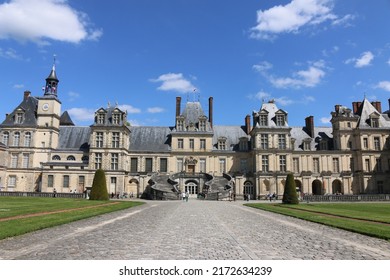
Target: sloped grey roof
column 29, row 106
column 366, row 110
column 150, row 139
column 192, row 112
column 232, row 134
column 74, row 137
column 271, row 108
column 299, row 134
column 65, row 119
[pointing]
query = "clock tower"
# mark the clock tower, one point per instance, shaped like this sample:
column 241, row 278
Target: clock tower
column 49, row 112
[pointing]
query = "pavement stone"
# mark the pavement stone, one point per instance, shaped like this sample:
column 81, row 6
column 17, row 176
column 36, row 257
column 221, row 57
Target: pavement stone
column 198, row 230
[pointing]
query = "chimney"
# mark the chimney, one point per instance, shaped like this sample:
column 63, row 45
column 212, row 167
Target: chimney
column 337, row 109
column 211, row 111
column 378, row 106
column 309, row 122
column 248, row 124
column 178, row 101
column 26, row 94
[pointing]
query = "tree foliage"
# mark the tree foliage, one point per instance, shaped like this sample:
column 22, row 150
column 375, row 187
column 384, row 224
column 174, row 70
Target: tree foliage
column 99, row 186
column 290, row 193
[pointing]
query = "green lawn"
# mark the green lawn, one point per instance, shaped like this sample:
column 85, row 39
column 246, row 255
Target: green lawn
column 345, row 215
column 81, row 209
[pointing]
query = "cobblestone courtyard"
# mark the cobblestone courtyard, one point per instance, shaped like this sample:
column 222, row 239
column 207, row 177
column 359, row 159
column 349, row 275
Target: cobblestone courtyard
column 200, row 230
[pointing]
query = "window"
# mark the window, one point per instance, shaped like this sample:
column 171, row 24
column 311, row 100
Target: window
column 222, row 165
column 222, row 145
column 26, row 160
column 81, row 182
column 349, row 145
column 282, row 163
column 263, row 120
column 70, row 158
column 243, row 144
column 115, row 140
column 163, row 165
column 115, row 118
column 19, row 118
column 179, row 165
column 16, row 139
column 323, row 145
column 202, row 144
column 367, row 165
column 377, row 143
column 134, row 165
column 50, row 181
column 148, row 164
column 27, row 139
column 180, row 125
column 264, row 163
column 98, row 160
column 114, row 161
column 14, row 160
column 192, row 146
column 280, row 120
column 264, row 141
column 306, row 145
column 379, row 185
column 5, row 138
column 56, row 157
column 180, row 143
column 282, row 141
column 296, row 165
column 316, row 165
column 351, row 164
column 65, row 183
column 202, row 125
column 336, row 165
column 11, row 181
column 243, row 165
column 374, row 122
column 202, row 165
column 85, row 159
column 365, row 143
column 100, row 118
column 99, row 139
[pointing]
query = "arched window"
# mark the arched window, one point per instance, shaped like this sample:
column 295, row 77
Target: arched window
column 16, row 139
column 70, row 158
column 5, row 138
column 56, row 157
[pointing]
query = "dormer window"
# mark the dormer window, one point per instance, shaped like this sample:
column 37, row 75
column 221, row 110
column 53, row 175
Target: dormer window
column 71, row 158
column 243, row 144
column 374, row 121
column 324, row 145
column 19, row 117
column 307, row 144
column 115, row 119
column 56, row 157
column 222, row 143
column 280, row 120
column 101, row 118
column 180, row 124
column 202, row 123
column 263, row 119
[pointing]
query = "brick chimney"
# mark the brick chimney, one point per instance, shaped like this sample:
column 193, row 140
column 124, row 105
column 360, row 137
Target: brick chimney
column 378, row 106
column 211, row 111
column 248, row 124
column 26, row 94
column 309, row 126
column 337, row 109
column 178, row 102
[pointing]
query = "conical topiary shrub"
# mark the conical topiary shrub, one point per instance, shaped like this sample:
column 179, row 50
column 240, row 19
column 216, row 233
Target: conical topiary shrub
column 99, row 186
column 290, row 193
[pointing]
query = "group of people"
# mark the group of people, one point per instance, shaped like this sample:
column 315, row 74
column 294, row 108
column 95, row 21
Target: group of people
column 271, row 196
column 124, row 195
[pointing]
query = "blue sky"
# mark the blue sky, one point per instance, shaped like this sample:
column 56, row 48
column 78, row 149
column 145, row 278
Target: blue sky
column 307, row 55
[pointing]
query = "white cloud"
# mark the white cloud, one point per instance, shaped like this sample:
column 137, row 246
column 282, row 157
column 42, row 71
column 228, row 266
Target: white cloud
column 325, row 120
column 40, row 20
column 82, row 114
column 18, row 86
column 10, row 53
column 385, row 85
column 292, row 17
column 283, row 100
column 130, row 109
column 364, row 60
column 73, row 95
column 310, row 77
column 174, row 82
column 154, row 110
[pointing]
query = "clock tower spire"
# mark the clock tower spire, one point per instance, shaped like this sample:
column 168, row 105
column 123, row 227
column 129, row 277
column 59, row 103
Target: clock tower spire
column 52, row 82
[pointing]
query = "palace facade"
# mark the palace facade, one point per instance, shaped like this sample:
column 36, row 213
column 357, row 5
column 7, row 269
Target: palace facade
column 41, row 150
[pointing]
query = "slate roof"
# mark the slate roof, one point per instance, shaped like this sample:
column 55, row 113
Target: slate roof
column 65, row 119
column 365, row 111
column 192, row 112
column 299, row 134
column 74, row 138
column 232, row 134
column 271, row 109
column 150, row 139
column 29, row 106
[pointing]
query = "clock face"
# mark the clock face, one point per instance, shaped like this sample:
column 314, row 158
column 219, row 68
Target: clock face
column 45, row 107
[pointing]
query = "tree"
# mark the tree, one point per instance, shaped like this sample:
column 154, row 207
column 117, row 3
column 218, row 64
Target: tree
column 290, row 193
column 99, row 186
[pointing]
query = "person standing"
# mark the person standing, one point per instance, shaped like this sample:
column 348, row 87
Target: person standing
column 187, row 195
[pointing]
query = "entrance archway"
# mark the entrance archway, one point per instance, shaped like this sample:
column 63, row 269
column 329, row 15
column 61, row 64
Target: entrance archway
column 336, row 187
column 298, row 185
column 192, row 188
column 249, row 189
column 133, row 188
column 316, row 187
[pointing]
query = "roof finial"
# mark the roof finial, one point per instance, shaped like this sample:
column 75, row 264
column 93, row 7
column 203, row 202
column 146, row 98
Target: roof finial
column 54, row 61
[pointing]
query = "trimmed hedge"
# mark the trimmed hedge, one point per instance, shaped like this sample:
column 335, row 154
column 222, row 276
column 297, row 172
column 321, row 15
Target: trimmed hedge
column 290, row 193
column 99, row 186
